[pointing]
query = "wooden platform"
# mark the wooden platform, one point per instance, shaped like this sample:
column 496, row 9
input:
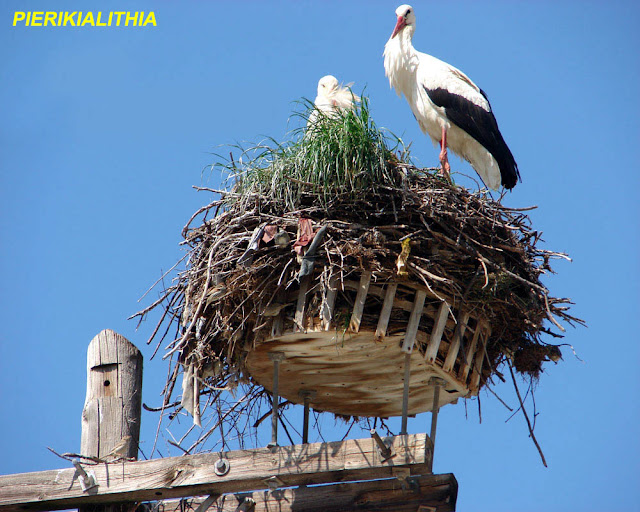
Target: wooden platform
column 346, row 341
column 351, row 373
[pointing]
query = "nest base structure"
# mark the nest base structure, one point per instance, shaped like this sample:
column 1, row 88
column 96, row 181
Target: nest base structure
column 415, row 266
column 354, row 371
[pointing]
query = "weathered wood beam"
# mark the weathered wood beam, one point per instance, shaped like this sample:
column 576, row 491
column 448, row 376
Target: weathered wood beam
column 439, row 492
column 195, row 474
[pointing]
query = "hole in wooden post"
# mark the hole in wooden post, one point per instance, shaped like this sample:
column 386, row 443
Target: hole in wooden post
column 107, row 382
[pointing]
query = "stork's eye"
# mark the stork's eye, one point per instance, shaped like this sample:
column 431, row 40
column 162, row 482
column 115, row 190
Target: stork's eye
column 408, row 12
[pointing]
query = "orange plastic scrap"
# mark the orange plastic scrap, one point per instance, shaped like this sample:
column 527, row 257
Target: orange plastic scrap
column 305, row 235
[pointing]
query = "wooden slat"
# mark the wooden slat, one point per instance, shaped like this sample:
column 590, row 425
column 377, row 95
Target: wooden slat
column 361, row 297
column 438, row 493
column 466, row 365
column 329, row 303
column 414, row 321
column 385, row 313
column 195, row 474
column 302, row 299
column 438, row 330
column 479, row 360
column 458, row 335
column 379, row 291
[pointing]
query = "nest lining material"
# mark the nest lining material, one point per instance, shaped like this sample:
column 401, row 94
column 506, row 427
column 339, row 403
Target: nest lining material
column 243, row 269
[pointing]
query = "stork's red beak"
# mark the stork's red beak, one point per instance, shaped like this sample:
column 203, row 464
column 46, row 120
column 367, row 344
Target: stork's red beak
column 399, row 26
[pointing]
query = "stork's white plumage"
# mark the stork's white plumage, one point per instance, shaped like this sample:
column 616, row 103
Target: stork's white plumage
column 448, row 106
column 332, row 96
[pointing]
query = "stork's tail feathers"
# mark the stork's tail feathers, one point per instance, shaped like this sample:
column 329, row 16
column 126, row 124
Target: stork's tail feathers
column 509, row 172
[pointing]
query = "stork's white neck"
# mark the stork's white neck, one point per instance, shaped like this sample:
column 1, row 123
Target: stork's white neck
column 401, row 62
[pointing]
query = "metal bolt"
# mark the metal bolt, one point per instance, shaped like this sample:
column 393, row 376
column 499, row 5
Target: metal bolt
column 222, row 467
column 385, row 450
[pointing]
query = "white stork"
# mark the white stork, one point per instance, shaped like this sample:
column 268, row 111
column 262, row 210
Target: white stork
column 331, row 97
column 448, row 106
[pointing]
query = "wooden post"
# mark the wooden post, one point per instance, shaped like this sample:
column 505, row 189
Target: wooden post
column 112, row 409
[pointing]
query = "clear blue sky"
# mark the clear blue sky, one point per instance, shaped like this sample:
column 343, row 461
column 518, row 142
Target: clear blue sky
column 105, row 130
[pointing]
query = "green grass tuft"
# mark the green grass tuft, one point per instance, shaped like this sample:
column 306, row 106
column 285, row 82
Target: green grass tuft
column 342, row 153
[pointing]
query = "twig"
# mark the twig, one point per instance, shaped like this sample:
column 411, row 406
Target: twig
column 70, row 456
column 498, row 397
column 526, row 416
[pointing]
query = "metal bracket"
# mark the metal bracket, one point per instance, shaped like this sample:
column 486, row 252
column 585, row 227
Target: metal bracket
column 276, row 356
column 222, row 467
column 246, row 505
column 273, row 482
column 87, row 480
column 406, row 480
column 401, row 473
column 438, row 381
column 386, row 452
column 204, row 506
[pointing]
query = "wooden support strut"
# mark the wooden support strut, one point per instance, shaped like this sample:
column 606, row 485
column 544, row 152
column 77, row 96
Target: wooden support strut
column 276, row 357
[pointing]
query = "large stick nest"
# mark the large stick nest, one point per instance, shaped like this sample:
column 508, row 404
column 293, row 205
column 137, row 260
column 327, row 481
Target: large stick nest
column 464, row 247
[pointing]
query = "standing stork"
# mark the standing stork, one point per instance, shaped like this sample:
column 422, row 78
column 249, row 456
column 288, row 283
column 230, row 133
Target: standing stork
column 448, row 106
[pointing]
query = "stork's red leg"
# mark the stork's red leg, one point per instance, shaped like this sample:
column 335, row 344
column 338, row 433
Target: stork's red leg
column 444, row 159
